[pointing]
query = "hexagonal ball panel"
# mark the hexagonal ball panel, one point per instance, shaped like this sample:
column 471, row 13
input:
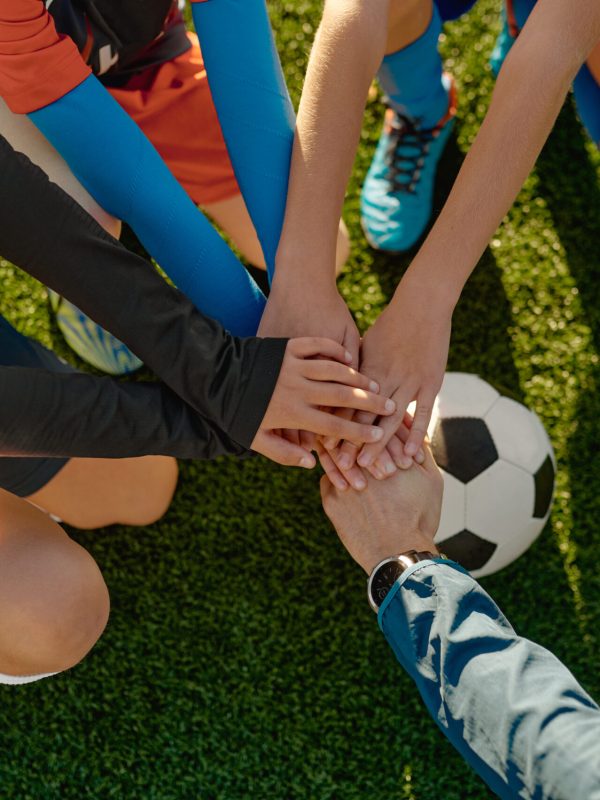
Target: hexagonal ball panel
column 518, row 434
column 464, row 395
column 544, row 488
column 500, row 503
column 463, row 447
column 471, row 551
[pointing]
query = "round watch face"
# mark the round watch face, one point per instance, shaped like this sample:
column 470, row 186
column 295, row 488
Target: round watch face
column 383, row 580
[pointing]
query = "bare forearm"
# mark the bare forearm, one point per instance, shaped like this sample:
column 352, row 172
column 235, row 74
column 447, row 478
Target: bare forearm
column 347, row 52
column 528, row 96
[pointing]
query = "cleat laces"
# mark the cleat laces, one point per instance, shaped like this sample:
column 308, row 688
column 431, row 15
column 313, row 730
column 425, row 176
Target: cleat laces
column 407, row 149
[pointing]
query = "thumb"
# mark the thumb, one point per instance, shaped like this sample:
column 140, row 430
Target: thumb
column 269, row 444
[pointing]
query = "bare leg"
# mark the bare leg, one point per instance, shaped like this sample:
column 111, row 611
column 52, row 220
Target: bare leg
column 408, row 19
column 53, row 600
column 231, row 215
column 95, row 492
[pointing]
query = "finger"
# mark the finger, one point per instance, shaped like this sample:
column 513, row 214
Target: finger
column 335, row 395
column 352, row 344
column 312, row 346
column 308, row 440
column 333, row 372
column 390, row 425
column 325, row 424
column 275, row 447
column 326, row 488
column 345, row 455
column 363, row 417
column 331, row 471
column 291, row 435
column 355, row 478
column 420, row 423
column 346, row 413
column 384, row 464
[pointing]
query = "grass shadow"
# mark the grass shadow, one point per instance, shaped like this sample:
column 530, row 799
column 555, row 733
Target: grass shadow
column 568, row 182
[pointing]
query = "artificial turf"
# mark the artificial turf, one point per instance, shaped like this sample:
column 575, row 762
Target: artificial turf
column 241, row 660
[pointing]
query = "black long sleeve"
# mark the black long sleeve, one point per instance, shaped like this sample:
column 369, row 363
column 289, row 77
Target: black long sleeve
column 227, row 380
column 45, row 413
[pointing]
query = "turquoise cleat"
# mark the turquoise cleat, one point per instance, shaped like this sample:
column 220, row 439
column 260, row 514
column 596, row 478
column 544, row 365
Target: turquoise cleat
column 397, row 197
column 91, row 342
column 504, row 42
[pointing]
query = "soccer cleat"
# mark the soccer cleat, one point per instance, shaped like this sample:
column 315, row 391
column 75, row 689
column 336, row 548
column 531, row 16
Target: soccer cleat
column 397, row 197
column 91, row 342
column 505, row 40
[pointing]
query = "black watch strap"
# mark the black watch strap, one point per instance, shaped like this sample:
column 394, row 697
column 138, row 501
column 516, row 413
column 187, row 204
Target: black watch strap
column 387, row 572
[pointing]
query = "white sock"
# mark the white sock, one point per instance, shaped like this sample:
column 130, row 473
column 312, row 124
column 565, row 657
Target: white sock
column 16, row 680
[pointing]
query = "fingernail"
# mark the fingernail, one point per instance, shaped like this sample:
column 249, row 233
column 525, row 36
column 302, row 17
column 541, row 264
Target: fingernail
column 378, row 474
column 410, row 449
column 306, row 462
column 405, row 463
column 360, row 484
column 390, row 405
column 344, row 461
column 348, row 356
column 365, row 459
column 341, row 485
column 373, row 386
column 390, row 468
column 376, row 433
column 420, row 457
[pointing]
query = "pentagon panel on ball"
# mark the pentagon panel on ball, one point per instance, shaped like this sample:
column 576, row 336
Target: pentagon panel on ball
column 498, row 467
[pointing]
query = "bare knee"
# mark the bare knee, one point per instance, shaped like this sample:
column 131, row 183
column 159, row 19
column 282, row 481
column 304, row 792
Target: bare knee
column 53, row 599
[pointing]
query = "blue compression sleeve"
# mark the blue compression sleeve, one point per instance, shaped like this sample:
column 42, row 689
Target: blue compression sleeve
column 254, row 107
column 116, row 163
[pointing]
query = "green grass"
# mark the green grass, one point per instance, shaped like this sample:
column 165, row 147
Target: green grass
column 241, row 660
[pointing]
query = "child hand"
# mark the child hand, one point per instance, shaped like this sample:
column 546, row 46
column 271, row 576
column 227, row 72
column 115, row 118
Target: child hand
column 314, row 377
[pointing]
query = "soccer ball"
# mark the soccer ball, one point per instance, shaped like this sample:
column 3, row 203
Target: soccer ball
column 498, row 467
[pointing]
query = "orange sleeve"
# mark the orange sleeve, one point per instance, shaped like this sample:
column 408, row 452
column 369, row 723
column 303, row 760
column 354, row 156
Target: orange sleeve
column 37, row 65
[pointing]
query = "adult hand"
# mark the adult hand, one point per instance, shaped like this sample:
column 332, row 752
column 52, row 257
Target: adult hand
column 315, row 376
column 405, row 351
column 391, row 516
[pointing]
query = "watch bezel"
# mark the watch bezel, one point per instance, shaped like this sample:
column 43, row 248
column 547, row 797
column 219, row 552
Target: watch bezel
column 406, row 560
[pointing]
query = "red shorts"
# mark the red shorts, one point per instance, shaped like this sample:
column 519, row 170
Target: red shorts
column 172, row 104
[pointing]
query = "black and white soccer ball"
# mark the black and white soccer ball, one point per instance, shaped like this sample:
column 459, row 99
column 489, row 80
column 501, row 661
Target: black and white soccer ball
column 498, row 467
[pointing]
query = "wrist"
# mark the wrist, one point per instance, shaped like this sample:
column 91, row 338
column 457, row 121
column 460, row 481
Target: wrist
column 417, row 541
column 434, row 283
column 310, row 282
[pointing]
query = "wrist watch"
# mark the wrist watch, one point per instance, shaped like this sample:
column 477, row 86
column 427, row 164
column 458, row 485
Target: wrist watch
column 387, row 572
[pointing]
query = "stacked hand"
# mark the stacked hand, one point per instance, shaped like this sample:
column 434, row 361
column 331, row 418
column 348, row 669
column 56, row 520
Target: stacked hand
column 404, row 353
column 391, row 517
column 315, row 375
